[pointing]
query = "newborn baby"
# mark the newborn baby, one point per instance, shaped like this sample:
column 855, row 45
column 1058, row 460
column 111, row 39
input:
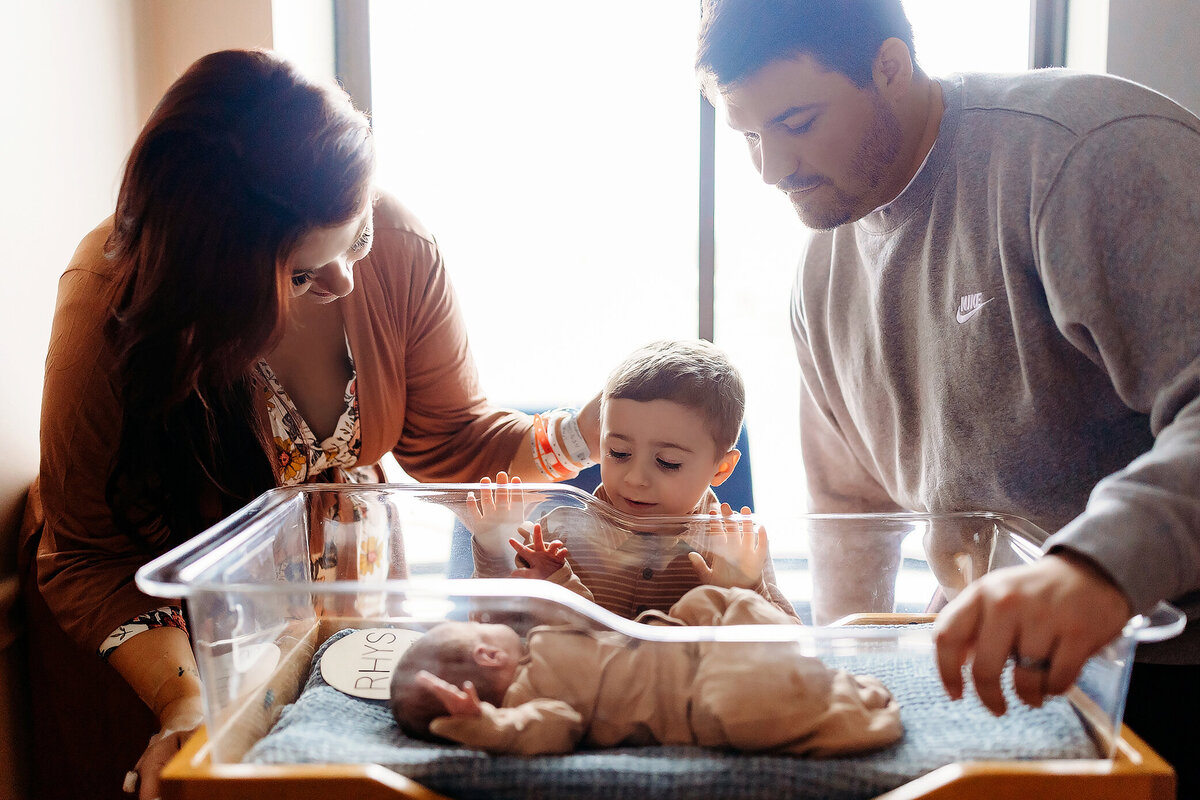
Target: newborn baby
column 478, row 685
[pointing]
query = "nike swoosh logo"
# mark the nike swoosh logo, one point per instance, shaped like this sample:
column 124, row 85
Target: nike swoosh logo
column 961, row 317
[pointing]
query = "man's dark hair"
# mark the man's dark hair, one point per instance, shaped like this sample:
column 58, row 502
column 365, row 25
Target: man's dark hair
column 739, row 37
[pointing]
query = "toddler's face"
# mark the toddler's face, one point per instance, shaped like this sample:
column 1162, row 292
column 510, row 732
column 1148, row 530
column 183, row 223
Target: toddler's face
column 657, row 457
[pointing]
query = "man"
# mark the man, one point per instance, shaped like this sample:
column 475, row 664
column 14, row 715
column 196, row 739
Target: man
column 1000, row 310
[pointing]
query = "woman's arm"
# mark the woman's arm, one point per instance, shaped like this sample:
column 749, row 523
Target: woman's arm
column 160, row 667
column 524, row 463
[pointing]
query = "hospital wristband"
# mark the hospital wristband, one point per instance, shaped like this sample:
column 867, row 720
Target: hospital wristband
column 554, row 421
column 543, row 452
column 578, row 454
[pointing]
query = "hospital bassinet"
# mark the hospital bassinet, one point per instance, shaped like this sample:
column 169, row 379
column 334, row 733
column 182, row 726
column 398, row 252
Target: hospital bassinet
column 270, row 589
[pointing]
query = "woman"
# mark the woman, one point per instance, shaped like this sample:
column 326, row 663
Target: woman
column 252, row 315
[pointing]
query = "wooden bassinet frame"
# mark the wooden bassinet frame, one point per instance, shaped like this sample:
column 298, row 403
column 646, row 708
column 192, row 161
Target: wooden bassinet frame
column 1135, row 772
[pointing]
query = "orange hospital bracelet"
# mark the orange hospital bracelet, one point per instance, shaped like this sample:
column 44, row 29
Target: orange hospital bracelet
column 543, row 451
column 554, row 422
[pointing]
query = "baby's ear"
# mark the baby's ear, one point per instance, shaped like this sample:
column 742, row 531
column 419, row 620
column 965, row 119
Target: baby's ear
column 488, row 656
column 725, row 467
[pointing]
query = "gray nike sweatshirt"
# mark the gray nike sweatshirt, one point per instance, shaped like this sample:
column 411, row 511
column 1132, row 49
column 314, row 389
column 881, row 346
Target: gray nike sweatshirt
column 1019, row 331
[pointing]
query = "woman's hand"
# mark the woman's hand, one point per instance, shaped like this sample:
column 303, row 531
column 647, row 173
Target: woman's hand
column 541, row 559
column 739, row 553
column 497, row 513
column 179, row 721
column 159, row 665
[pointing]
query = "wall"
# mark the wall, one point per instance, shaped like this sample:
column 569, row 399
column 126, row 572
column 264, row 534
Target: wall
column 1155, row 43
column 81, row 77
column 171, row 35
column 1087, row 35
column 303, row 31
column 69, row 118
column 1152, row 42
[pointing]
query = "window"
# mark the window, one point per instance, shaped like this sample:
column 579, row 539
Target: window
column 553, row 151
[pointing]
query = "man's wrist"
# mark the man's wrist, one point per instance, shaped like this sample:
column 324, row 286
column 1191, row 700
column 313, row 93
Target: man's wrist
column 1092, row 568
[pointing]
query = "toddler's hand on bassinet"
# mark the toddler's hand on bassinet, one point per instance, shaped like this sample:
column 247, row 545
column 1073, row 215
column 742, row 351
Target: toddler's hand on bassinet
column 458, row 702
column 541, row 559
column 739, row 553
column 496, row 513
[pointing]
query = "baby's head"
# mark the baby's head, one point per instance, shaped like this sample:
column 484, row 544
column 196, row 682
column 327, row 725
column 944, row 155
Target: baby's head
column 669, row 419
column 457, row 652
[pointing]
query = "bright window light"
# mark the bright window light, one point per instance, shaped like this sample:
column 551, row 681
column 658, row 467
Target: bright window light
column 552, row 149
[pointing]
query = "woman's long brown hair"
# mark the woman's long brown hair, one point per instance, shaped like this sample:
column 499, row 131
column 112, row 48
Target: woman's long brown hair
column 241, row 157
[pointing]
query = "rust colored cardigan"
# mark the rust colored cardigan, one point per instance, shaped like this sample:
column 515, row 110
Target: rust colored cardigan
column 418, row 392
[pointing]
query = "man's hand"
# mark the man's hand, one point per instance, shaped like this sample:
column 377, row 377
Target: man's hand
column 497, row 513
column 739, row 553
column 1051, row 615
column 458, row 702
column 541, row 559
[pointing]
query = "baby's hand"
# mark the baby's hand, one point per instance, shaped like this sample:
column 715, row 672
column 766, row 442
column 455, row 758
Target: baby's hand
column 496, row 513
column 541, row 559
column 458, row 702
column 739, row 553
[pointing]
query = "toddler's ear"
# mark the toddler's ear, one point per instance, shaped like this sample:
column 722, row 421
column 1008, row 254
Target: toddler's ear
column 725, row 467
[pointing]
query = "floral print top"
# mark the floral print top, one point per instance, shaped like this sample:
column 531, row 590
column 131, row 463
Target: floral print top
column 165, row 617
column 298, row 456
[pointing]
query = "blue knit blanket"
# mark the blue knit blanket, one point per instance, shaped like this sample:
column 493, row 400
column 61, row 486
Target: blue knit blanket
column 328, row 727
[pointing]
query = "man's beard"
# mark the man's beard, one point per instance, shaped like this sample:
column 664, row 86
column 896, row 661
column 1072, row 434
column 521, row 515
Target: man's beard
column 876, row 152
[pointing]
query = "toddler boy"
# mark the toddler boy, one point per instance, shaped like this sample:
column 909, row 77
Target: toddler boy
column 670, row 416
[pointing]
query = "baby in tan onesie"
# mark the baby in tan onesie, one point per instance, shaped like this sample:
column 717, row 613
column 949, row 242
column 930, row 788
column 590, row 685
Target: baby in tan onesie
column 479, row 685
